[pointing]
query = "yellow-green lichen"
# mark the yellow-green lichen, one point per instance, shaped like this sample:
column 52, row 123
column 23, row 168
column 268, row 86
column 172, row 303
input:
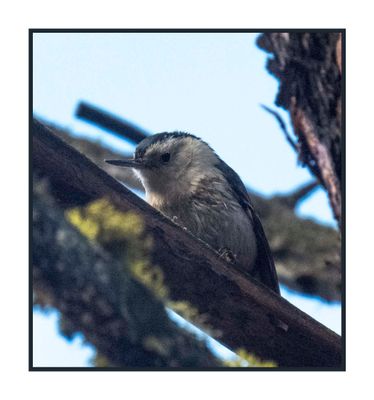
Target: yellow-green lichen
column 186, row 310
column 123, row 233
column 100, row 361
column 157, row 345
column 151, row 276
column 101, row 221
column 246, row 359
column 86, row 226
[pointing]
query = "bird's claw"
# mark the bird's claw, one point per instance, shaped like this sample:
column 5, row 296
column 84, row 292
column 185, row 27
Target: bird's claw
column 227, row 255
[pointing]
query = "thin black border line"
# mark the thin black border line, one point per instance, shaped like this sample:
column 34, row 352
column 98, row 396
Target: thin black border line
column 168, row 369
column 343, row 202
column 182, row 30
column 31, row 320
column 343, row 188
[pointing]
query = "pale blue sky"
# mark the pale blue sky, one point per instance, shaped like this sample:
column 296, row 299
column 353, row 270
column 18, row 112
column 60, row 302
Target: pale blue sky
column 210, row 85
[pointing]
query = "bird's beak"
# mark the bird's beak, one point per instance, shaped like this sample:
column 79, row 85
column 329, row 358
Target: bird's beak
column 132, row 163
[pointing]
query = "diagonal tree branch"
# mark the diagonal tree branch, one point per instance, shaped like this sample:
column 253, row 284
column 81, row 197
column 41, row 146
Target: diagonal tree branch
column 110, row 122
column 282, row 125
column 246, row 314
column 306, row 253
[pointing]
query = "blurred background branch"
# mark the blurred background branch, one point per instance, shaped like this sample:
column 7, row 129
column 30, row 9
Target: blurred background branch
column 97, row 296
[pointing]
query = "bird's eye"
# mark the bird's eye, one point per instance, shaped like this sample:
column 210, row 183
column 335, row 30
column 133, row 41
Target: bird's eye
column 165, row 157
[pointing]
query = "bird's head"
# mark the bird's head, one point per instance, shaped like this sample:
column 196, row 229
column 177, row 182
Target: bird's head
column 170, row 163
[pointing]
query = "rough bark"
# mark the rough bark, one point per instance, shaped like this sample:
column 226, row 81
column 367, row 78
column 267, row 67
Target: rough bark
column 306, row 253
column 97, row 296
column 309, row 68
column 241, row 312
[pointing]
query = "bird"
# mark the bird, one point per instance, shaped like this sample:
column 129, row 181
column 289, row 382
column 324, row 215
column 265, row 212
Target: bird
column 187, row 181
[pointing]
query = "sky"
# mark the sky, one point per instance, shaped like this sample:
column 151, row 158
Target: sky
column 208, row 84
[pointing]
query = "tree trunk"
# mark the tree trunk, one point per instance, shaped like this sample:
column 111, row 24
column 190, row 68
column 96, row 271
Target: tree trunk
column 309, row 68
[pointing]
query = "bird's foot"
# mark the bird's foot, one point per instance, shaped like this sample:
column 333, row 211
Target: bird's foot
column 227, row 255
column 176, row 220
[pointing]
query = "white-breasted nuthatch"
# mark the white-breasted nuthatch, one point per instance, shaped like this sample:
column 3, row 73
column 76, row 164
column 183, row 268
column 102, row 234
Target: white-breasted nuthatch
column 185, row 179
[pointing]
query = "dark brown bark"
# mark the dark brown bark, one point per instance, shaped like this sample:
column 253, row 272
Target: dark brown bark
column 246, row 314
column 309, row 68
column 306, row 253
column 97, row 296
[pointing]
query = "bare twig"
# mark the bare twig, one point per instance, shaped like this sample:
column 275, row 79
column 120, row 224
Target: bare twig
column 292, row 199
column 296, row 146
column 282, row 125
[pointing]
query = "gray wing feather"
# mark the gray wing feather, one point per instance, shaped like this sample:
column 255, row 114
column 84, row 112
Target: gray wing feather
column 264, row 269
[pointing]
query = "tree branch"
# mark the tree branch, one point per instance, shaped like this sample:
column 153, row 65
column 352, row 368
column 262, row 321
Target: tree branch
column 291, row 200
column 110, row 122
column 246, row 314
column 282, row 125
column 306, row 253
